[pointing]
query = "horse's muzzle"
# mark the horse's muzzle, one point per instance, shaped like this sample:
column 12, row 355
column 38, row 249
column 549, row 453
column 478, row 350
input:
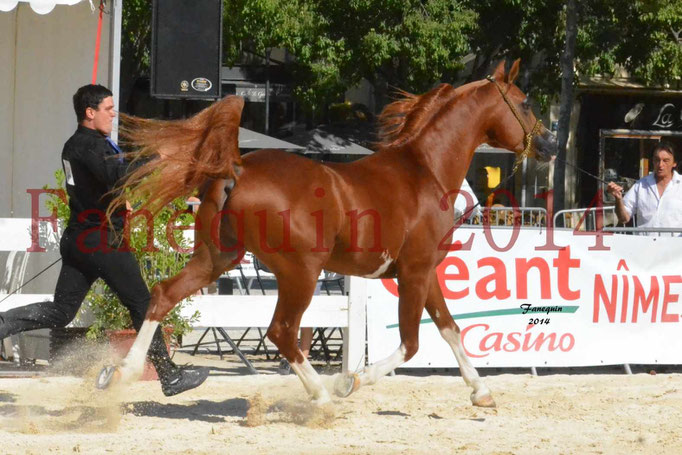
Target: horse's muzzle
column 545, row 145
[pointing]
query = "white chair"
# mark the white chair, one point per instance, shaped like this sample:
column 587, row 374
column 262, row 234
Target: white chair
column 15, row 240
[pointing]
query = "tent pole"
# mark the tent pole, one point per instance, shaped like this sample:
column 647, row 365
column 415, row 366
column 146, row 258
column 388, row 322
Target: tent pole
column 115, row 56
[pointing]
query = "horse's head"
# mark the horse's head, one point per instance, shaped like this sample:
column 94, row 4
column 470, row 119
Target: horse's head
column 514, row 126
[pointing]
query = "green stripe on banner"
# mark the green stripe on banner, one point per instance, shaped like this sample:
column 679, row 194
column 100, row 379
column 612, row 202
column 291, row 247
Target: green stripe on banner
column 482, row 314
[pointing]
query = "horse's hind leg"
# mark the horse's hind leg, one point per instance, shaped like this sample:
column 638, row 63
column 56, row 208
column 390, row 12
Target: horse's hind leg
column 294, row 295
column 202, row 269
column 435, row 305
column 206, row 265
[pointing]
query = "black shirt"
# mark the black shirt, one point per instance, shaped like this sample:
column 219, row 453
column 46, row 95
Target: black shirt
column 92, row 169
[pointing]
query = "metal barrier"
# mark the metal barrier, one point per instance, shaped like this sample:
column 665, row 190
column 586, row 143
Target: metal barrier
column 571, row 218
column 587, row 220
column 661, row 231
column 504, row 216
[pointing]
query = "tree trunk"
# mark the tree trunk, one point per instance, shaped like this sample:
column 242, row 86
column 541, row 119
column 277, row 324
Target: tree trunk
column 565, row 104
column 380, row 88
column 483, row 63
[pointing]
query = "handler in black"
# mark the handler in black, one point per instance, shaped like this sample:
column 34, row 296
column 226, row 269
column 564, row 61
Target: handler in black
column 89, row 247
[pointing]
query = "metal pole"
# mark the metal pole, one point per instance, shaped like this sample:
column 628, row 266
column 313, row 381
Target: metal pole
column 235, row 348
column 267, row 91
column 524, row 177
column 602, row 148
column 115, row 56
column 354, row 336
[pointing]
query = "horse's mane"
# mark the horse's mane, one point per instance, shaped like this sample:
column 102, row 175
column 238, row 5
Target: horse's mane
column 405, row 118
column 196, row 149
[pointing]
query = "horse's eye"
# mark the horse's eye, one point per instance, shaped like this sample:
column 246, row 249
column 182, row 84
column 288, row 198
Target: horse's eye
column 525, row 104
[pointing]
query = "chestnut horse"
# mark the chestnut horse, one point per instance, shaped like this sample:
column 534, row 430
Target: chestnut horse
column 379, row 217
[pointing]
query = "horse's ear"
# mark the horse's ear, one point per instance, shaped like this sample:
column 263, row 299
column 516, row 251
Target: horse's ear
column 498, row 74
column 513, row 72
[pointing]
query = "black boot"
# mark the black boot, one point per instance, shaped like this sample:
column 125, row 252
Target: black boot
column 174, row 379
column 183, row 378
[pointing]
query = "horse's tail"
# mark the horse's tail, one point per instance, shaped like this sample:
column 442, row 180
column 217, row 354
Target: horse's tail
column 193, row 150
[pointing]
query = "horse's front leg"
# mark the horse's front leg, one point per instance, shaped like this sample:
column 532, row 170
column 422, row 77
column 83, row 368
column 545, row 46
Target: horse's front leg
column 438, row 310
column 412, row 287
column 132, row 365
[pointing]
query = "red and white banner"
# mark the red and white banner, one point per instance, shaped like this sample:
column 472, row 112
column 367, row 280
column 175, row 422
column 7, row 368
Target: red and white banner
column 531, row 298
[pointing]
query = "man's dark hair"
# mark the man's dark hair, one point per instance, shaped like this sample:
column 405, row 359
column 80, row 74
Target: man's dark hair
column 88, row 96
column 665, row 146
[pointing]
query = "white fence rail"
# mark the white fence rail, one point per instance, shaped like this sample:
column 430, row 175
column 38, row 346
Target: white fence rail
column 350, row 312
column 226, row 311
column 241, row 311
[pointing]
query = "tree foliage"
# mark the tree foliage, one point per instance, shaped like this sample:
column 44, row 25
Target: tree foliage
column 410, row 44
column 642, row 36
column 413, row 44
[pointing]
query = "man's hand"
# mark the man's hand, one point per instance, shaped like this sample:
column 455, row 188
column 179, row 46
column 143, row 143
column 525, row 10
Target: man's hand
column 615, row 190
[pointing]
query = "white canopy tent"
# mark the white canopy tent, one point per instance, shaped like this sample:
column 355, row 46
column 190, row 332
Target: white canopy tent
column 45, row 58
column 249, row 139
column 327, row 141
column 39, row 6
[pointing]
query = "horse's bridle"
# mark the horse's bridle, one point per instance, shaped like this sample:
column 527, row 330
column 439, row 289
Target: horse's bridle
column 528, row 135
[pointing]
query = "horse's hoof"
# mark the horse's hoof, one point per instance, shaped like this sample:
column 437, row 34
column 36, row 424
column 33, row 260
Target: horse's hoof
column 321, row 400
column 108, row 375
column 346, row 384
column 484, row 401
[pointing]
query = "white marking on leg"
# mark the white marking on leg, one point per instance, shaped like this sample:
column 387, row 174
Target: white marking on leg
column 374, row 372
column 311, row 381
column 469, row 373
column 133, row 364
column 388, row 260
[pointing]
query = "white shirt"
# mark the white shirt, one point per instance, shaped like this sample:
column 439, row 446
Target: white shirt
column 461, row 202
column 651, row 209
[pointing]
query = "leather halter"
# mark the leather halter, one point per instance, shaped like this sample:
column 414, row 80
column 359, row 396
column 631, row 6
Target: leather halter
column 528, row 135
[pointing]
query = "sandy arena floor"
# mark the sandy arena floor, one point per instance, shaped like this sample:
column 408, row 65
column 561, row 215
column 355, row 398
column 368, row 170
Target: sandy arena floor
column 270, row 414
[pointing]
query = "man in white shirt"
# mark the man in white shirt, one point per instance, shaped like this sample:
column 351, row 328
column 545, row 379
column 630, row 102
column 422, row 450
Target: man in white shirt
column 657, row 198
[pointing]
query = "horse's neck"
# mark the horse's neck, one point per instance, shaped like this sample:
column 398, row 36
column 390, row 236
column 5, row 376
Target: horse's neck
column 446, row 147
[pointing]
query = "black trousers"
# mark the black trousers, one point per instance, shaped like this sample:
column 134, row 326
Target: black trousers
column 84, row 259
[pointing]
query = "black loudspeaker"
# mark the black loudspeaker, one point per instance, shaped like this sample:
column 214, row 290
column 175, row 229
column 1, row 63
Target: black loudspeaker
column 186, row 48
